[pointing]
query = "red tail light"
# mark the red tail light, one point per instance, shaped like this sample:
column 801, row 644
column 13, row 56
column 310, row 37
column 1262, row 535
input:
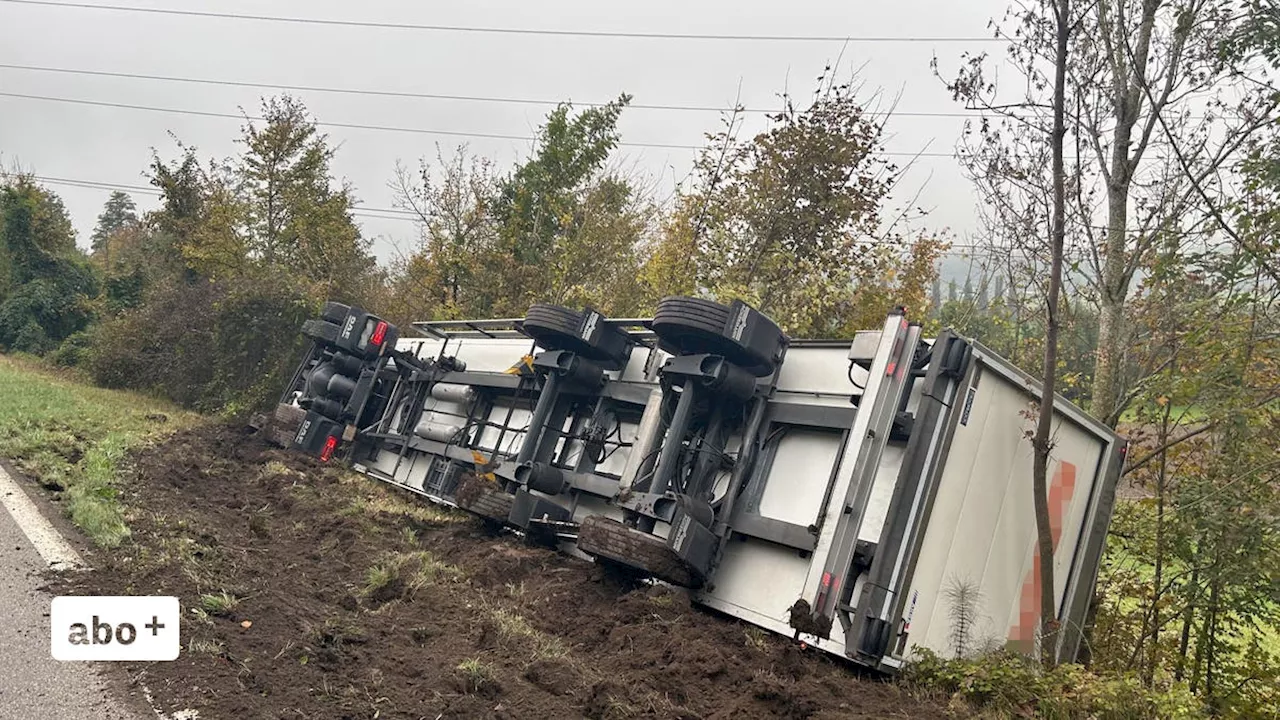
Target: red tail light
column 379, row 333
column 330, row 444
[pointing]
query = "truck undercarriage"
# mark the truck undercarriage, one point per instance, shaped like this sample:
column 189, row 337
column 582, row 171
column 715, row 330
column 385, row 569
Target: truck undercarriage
column 827, row 490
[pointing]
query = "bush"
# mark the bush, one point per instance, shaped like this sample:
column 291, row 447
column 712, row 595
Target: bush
column 226, row 346
column 162, row 346
column 38, row 315
column 257, row 341
column 1013, row 684
column 74, row 351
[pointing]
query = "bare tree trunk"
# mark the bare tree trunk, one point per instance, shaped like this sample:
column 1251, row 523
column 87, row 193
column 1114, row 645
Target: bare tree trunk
column 1129, row 80
column 1157, row 580
column 1043, row 443
column 1188, row 620
column 1211, row 646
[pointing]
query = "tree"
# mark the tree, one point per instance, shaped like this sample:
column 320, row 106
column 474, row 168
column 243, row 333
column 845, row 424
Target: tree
column 48, row 284
column 208, row 298
column 1159, row 112
column 1191, row 582
column 278, row 202
column 118, row 214
column 174, row 226
column 1042, row 443
column 1190, row 588
column 542, row 206
column 599, row 263
column 559, row 228
column 442, row 278
column 535, row 201
column 791, row 220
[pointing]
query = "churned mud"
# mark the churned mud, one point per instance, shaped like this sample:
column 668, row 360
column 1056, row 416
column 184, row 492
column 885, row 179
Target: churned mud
column 312, row 592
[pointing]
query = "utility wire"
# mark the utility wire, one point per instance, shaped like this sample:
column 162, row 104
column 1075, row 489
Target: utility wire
column 965, row 249
column 613, row 34
column 384, row 128
column 430, row 96
column 371, row 212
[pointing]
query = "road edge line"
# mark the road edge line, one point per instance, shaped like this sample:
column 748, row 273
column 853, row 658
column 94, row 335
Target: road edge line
column 56, row 551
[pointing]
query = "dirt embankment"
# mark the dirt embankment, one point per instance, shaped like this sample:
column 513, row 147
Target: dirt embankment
column 311, row 592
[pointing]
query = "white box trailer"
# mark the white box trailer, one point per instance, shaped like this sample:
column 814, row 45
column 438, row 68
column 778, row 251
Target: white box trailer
column 867, row 480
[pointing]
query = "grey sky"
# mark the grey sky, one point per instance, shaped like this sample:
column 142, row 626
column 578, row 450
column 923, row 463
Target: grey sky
column 111, row 145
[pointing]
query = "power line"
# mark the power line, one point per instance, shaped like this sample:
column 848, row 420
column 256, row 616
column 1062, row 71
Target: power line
column 371, row 212
column 955, row 249
column 383, row 128
column 611, row 34
column 968, row 250
column 427, row 96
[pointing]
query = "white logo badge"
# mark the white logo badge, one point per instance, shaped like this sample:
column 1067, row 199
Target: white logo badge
column 143, row 628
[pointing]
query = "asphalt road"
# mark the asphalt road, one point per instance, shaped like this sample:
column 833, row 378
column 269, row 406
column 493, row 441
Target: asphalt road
column 33, row 684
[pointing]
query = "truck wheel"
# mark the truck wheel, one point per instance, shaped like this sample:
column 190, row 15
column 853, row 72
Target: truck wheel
column 611, row 540
column 484, row 498
column 552, row 326
column 335, row 312
column 559, row 328
column 321, row 330
column 284, row 423
column 694, row 325
column 711, row 316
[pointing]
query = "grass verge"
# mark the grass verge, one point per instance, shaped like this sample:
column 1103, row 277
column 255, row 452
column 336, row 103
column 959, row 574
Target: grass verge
column 70, row 437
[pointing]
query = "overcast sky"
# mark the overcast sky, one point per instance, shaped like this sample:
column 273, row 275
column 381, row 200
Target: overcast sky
column 111, row 145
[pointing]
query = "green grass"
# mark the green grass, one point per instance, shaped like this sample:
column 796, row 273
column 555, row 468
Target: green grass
column 400, row 575
column 1180, row 414
column 71, row 436
column 514, row 627
column 221, row 603
column 475, row 674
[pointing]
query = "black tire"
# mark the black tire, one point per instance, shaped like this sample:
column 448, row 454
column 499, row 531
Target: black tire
column 321, row 331
column 283, row 425
column 693, row 325
column 676, row 317
column 553, row 327
column 484, row 498
column 610, row 540
column 553, row 312
column 557, row 328
column 669, row 318
column 709, row 310
column 335, row 312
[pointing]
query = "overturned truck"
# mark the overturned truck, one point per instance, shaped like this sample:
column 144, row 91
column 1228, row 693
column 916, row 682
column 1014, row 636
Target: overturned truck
column 839, row 492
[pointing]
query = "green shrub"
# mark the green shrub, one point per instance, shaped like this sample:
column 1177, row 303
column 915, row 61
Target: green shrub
column 163, row 346
column 1015, row 685
column 39, row 314
column 227, row 346
column 74, row 351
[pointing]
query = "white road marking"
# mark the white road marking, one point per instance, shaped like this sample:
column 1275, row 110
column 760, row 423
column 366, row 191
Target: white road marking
column 52, row 547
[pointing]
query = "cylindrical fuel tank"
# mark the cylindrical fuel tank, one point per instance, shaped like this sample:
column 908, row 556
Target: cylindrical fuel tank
column 438, row 428
column 449, row 392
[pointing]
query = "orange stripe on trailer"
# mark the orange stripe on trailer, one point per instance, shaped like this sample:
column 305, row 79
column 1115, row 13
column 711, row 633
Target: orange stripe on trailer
column 1022, row 635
